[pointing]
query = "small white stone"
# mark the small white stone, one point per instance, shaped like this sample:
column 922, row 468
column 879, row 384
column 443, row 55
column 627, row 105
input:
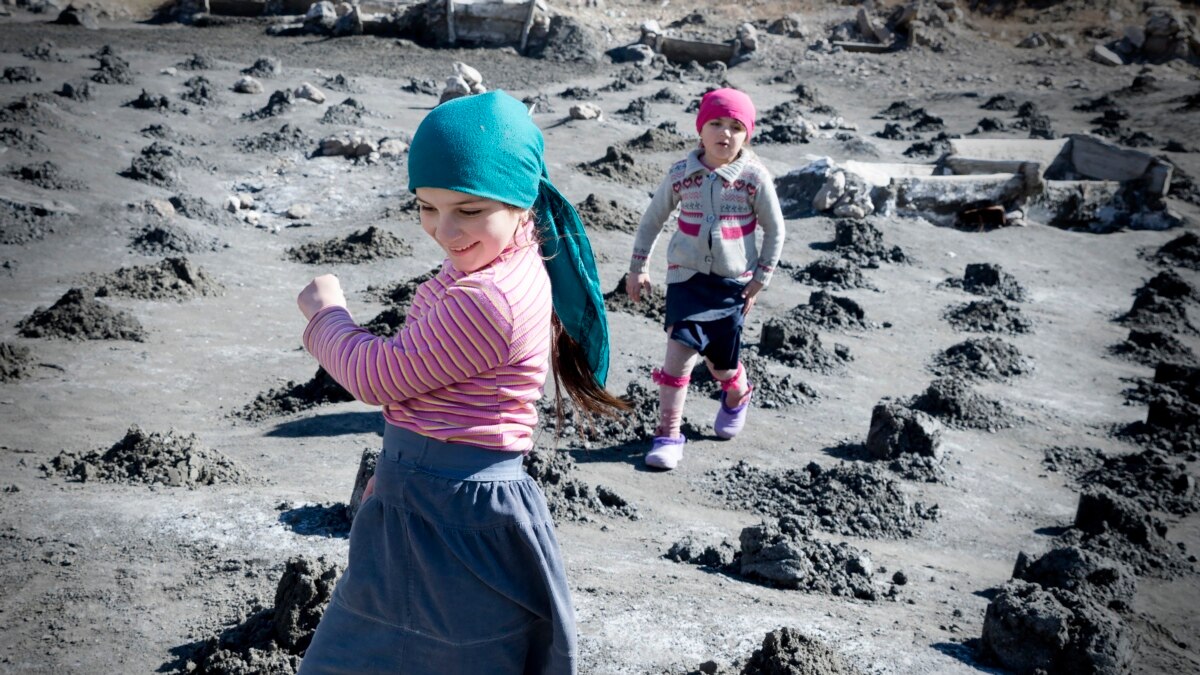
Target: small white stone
column 298, row 211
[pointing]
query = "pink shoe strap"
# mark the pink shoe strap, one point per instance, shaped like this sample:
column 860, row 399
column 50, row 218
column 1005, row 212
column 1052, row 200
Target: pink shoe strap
column 733, row 382
column 662, row 378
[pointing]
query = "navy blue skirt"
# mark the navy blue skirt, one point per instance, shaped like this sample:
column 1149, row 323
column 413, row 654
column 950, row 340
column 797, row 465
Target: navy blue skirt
column 454, row 568
column 705, row 313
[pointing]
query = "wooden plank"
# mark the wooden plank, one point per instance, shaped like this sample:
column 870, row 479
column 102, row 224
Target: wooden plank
column 1100, row 160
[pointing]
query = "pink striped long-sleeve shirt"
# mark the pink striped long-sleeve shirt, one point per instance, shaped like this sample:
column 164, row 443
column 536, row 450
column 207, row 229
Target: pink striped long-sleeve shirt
column 470, row 360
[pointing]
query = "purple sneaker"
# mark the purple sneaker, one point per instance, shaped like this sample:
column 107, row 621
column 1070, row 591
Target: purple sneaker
column 666, row 452
column 730, row 421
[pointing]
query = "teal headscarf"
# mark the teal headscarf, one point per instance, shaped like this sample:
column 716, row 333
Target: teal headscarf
column 486, row 145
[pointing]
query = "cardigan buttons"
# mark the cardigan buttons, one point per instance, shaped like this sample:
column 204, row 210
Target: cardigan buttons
column 711, row 218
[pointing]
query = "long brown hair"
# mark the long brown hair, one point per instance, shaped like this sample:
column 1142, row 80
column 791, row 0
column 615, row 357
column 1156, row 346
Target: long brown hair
column 569, row 366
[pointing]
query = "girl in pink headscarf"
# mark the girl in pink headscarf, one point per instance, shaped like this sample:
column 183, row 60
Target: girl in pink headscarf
column 717, row 264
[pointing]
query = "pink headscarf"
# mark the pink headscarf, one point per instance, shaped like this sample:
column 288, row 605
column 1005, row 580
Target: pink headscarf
column 726, row 103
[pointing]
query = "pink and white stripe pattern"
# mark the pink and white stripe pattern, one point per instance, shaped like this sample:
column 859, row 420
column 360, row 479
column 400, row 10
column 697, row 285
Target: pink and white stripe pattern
column 469, row 362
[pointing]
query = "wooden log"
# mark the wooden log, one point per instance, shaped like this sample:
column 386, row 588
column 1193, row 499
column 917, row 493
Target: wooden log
column 864, row 47
column 684, row 51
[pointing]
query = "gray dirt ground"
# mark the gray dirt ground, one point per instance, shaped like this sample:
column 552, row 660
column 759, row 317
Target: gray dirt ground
column 100, row 577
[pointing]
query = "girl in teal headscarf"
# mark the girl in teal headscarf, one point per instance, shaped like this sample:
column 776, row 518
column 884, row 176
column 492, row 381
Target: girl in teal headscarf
column 454, row 566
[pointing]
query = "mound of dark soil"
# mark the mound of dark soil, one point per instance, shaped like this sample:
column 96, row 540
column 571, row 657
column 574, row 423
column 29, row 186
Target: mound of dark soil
column 399, row 297
column 46, row 175
column 607, row 214
column 663, row 138
column 653, row 303
column 782, row 124
column 281, row 102
column 30, row 113
column 783, row 554
column 162, row 132
column 992, row 315
column 831, row 273
column 618, row 165
column 831, row 312
column 853, row 499
column 266, row 67
column 113, row 69
column 169, row 279
column 1000, row 102
column 1150, row 478
column 1120, row 528
column 19, row 139
column 150, row 459
column 955, row 403
column 984, row 358
column 932, row 148
column 1161, row 304
column 789, row 340
column 15, row 361
column 1182, row 251
column 23, row 223
column 1029, row 629
column 1107, row 582
column 155, row 102
column 165, row 238
column 78, row 316
column 1173, row 417
column 711, row 552
column 198, row 209
column 788, row 651
column 569, row 498
column 45, row 50
column 272, row 640
column 1153, row 347
column 196, row 62
column 349, row 112
column 79, row 92
column 637, row 112
column 990, row 280
column 770, row 390
column 292, row 398
column 861, row 243
column 358, row 247
column 568, row 39
column 199, row 90
column 159, row 164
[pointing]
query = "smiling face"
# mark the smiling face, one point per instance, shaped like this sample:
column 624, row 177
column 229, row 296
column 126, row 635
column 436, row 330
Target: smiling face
column 471, row 230
column 722, row 138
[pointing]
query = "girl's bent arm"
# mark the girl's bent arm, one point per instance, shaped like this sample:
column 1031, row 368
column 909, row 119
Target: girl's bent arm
column 465, row 334
column 661, row 205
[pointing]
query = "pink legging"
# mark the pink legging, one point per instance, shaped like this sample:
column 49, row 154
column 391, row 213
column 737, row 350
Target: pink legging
column 673, row 380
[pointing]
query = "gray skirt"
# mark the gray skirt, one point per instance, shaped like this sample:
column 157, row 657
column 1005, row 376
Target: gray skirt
column 454, row 568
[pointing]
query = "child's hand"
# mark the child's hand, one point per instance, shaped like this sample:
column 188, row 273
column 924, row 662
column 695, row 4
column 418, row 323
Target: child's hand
column 750, row 295
column 636, row 284
column 324, row 291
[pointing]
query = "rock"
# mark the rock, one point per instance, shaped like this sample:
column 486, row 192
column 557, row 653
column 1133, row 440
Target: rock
column 246, row 201
column 366, row 469
column 478, row 88
column 248, row 85
column 1032, row 41
column 586, row 111
column 348, row 24
column 1106, row 56
column 392, row 147
column 456, row 87
column 830, row 192
column 638, row 53
column 233, row 204
column 896, row 430
column 298, row 212
column 160, row 207
column 467, row 73
column 321, row 16
column 74, row 16
column 747, row 36
column 307, row 91
column 1136, row 36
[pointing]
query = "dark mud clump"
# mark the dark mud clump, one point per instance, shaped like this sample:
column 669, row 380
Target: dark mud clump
column 788, row 651
column 45, row 51
column 783, row 554
column 288, row 137
column 78, row 316
column 198, row 209
column 113, row 69
column 1161, row 304
column 711, row 551
column 909, row 439
column 1107, row 582
column 15, row 74
column 199, row 90
column 169, row 279
column 663, row 138
column 653, row 303
column 281, row 101
column 569, row 498
column 853, row 499
column 15, row 361
column 149, row 101
column 618, row 165
column 29, row 112
column 349, row 112
column 159, row 164
column 23, row 223
column 790, row 341
column 164, row 238
column 831, row 312
column 953, row 402
column 992, row 315
column 399, row 298
column 862, row 244
column 934, row 147
column 293, row 398
column 770, row 390
column 1031, row 629
column 362, row 246
column 1120, row 528
column 1182, row 251
column 1150, row 477
column 19, row 139
column 196, row 62
column 1153, row 347
column 831, row 273
column 990, row 280
column 266, row 67
column 1173, row 416
column 79, row 92
column 162, row 132
column 272, row 640
column 608, row 214
column 150, row 459
column 981, row 358
column 46, row 175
